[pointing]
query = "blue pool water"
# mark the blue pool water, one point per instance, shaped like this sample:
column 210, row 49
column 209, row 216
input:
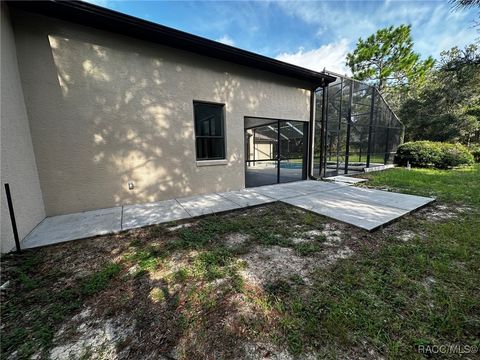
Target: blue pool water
column 290, row 165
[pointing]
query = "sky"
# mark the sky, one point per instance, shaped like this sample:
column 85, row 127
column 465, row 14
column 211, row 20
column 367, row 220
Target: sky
column 312, row 34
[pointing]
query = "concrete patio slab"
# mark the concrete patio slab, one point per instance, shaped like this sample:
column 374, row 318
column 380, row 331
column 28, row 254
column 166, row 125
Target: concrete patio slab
column 365, row 215
column 380, row 197
column 246, row 197
column 207, row 204
column 311, row 186
column 361, row 207
column 135, row 216
column 278, row 192
column 295, row 189
column 62, row 228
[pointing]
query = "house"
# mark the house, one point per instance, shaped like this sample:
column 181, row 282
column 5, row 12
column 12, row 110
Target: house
column 101, row 109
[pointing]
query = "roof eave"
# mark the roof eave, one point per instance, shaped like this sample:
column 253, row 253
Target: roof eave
column 109, row 20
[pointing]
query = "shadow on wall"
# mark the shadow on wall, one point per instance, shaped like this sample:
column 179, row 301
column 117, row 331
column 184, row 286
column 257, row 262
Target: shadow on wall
column 128, row 117
column 127, row 133
column 106, row 109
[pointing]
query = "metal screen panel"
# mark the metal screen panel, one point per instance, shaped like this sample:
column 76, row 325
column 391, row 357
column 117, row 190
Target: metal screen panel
column 354, row 128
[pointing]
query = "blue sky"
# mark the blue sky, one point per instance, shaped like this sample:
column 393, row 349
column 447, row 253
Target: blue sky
column 308, row 33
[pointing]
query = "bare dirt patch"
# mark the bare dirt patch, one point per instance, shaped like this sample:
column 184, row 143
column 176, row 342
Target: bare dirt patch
column 407, row 235
column 440, row 212
column 341, row 253
column 236, row 239
column 332, row 233
column 93, row 338
column 307, row 236
column 266, row 264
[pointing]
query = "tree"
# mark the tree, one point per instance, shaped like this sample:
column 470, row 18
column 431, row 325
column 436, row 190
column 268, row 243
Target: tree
column 447, row 108
column 387, row 59
column 466, row 4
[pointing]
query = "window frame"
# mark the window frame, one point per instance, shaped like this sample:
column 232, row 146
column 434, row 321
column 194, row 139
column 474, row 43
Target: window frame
column 222, row 136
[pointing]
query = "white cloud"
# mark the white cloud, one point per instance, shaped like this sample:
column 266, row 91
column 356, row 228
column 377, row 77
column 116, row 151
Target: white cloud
column 227, row 40
column 435, row 27
column 335, row 19
column 331, row 56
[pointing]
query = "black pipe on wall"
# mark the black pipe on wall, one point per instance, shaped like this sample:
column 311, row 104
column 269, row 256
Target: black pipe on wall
column 12, row 218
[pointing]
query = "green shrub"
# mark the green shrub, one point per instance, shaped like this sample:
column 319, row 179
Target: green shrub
column 431, row 153
column 418, row 153
column 454, row 155
column 476, row 153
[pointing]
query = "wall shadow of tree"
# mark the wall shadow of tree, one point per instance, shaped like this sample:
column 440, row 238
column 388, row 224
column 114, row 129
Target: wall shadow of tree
column 107, row 109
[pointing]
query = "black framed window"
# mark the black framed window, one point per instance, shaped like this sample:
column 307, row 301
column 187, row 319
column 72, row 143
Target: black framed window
column 209, row 131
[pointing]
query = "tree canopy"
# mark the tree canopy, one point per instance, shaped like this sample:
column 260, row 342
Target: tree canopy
column 437, row 101
column 447, row 108
column 387, row 59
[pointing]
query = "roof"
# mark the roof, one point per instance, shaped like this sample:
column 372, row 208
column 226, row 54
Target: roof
column 105, row 19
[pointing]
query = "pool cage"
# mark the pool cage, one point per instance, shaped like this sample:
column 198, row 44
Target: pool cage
column 355, row 129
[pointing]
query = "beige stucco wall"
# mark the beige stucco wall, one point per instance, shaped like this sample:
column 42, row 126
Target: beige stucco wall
column 18, row 166
column 106, row 109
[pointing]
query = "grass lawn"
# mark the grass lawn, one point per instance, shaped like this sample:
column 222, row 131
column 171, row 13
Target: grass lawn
column 460, row 186
column 267, row 282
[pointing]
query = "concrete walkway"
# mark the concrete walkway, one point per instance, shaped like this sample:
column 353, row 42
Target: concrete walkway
column 361, row 207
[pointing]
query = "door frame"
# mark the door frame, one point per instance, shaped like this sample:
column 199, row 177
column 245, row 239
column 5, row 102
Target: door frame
column 278, row 159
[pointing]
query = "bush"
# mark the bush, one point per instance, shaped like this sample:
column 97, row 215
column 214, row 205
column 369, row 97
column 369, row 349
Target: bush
column 418, row 153
column 454, row 155
column 431, row 153
column 476, row 153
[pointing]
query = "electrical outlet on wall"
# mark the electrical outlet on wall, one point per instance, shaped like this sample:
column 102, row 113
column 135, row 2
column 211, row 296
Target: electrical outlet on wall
column 131, row 186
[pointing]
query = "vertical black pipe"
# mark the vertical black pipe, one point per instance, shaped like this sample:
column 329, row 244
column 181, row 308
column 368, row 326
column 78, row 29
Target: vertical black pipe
column 323, row 132
column 254, row 145
column 307, row 171
column 12, row 218
column 339, row 128
column 387, row 142
column 278, row 151
column 370, row 128
column 310, row 148
column 360, row 148
column 349, row 122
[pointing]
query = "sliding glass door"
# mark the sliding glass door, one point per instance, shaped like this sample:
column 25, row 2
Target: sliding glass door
column 275, row 151
column 292, row 157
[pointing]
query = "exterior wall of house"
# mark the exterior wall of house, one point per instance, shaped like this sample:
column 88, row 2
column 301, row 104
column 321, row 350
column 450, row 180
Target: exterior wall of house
column 18, row 167
column 106, row 109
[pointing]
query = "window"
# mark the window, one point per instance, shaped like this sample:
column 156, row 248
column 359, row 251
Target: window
column 209, row 131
